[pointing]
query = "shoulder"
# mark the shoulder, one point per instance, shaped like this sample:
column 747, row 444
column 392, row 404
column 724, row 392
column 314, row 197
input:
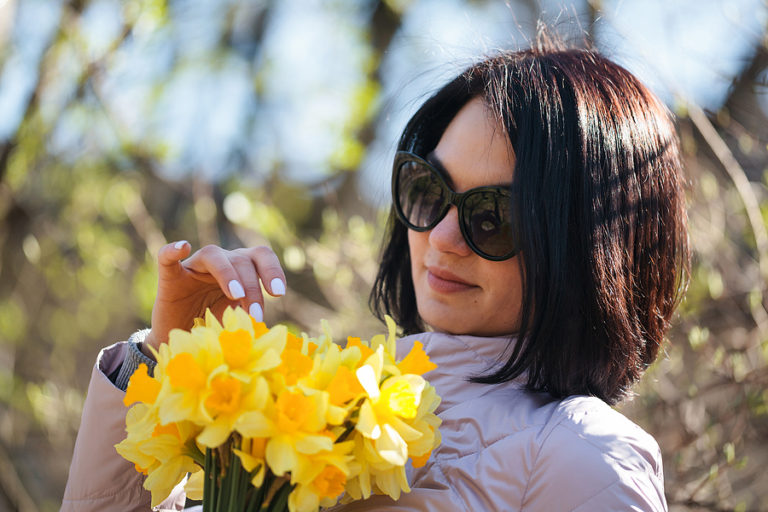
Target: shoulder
column 508, row 446
column 592, row 456
column 597, row 428
column 502, row 444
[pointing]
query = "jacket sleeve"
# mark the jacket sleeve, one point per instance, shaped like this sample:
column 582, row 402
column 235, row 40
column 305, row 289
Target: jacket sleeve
column 99, row 478
column 418, row 500
column 611, row 465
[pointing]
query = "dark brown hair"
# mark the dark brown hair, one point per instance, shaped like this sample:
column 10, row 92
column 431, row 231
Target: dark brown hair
column 599, row 207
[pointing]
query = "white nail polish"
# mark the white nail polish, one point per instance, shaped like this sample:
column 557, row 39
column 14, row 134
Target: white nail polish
column 256, row 312
column 179, row 245
column 277, row 286
column 236, row 289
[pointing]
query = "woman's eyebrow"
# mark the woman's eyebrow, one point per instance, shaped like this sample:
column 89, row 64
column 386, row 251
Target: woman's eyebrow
column 432, row 159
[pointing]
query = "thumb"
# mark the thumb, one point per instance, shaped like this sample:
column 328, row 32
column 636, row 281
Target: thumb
column 169, row 257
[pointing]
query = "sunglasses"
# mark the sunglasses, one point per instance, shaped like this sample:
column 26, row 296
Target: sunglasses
column 422, row 198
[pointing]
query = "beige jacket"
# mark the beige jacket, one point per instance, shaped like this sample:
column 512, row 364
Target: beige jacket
column 100, row 479
column 504, row 448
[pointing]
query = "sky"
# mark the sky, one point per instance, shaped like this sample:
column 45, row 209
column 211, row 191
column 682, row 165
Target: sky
column 169, row 88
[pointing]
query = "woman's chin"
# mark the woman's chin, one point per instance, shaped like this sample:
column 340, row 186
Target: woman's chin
column 458, row 326
column 451, row 315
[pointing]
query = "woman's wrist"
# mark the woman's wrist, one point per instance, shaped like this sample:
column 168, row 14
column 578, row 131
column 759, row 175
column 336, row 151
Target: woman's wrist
column 145, row 343
column 134, row 356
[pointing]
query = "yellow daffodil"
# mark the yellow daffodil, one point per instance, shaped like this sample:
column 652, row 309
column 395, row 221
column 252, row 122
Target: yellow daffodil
column 389, row 342
column 139, row 425
column 374, row 475
column 365, row 350
column 251, row 455
column 294, row 366
column 160, row 451
column 295, row 426
column 344, row 386
column 333, row 374
column 326, row 419
column 194, row 486
column 169, row 447
column 185, row 365
column 416, row 362
column 247, row 346
column 141, row 387
column 209, row 370
column 395, row 421
column 320, row 478
column 227, row 399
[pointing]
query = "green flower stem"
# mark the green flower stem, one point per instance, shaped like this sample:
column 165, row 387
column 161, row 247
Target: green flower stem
column 209, row 487
column 230, row 486
column 237, row 489
column 257, row 498
column 220, row 475
column 345, row 434
column 194, row 452
column 279, row 501
column 227, row 485
column 243, row 486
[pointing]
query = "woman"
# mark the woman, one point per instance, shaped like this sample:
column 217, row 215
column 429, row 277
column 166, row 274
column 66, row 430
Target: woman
column 538, row 228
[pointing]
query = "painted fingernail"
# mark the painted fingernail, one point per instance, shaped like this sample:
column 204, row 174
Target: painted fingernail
column 236, row 289
column 179, row 245
column 256, row 312
column 277, row 286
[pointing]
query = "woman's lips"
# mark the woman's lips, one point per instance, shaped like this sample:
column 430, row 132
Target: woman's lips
column 443, row 281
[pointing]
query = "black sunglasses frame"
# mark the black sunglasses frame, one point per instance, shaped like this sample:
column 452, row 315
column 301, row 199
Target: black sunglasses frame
column 453, row 198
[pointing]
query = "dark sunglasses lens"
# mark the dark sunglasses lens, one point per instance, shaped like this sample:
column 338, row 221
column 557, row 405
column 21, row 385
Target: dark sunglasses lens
column 420, row 194
column 488, row 222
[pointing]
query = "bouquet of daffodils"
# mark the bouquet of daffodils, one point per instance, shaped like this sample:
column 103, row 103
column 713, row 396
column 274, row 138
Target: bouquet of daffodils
column 264, row 420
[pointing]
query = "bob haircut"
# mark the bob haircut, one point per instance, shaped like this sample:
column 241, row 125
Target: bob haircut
column 599, row 209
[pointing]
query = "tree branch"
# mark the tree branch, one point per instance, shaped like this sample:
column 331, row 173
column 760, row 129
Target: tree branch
column 751, row 205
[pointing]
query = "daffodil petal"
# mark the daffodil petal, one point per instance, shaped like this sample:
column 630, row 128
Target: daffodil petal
column 336, row 415
column 164, row 478
column 407, row 432
column 258, row 478
column 391, row 446
column 302, row 499
column 366, row 422
column 391, row 345
column 214, row 434
column 313, row 444
column 254, row 424
column 194, row 485
column 417, row 361
column 365, row 484
column 211, row 322
column 280, row 455
column 141, row 387
column 367, row 377
column 248, row 461
column 270, row 359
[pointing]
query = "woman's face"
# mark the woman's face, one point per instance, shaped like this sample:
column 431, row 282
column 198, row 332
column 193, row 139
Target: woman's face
column 457, row 291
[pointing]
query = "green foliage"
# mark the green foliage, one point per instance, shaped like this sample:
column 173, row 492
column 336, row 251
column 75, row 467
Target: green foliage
column 706, row 402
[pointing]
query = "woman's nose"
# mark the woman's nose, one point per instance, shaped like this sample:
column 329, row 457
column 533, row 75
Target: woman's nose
column 447, row 237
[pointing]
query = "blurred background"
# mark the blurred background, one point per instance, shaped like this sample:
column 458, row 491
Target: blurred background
column 126, row 124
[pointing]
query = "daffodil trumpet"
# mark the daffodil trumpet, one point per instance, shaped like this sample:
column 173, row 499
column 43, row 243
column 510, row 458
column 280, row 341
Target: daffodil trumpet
column 259, row 419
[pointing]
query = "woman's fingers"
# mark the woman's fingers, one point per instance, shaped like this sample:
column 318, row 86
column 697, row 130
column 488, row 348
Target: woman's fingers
column 213, row 262
column 269, row 269
column 239, row 274
column 259, row 265
column 169, row 257
column 253, row 298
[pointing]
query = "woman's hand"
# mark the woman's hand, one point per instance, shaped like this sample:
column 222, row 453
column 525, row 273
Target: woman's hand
column 211, row 278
